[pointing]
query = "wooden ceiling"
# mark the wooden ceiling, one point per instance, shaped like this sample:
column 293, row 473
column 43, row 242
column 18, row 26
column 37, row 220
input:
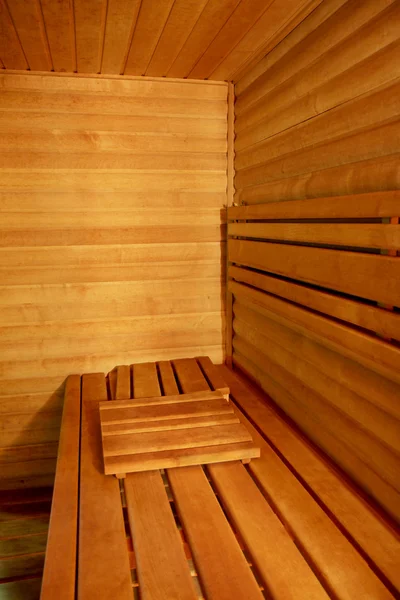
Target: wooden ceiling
column 199, row 39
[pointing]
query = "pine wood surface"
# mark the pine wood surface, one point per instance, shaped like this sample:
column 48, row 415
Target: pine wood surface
column 111, row 237
column 198, row 39
column 222, row 543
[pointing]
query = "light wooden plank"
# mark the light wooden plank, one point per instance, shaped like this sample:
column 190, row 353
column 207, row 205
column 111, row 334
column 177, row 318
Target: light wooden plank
column 287, row 111
column 371, row 235
column 145, row 380
column 100, row 514
column 375, row 319
column 275, row 41
column 11, row 50
column 123, row 382
column 373, row 204
column 189, row 375
column 213, row 375
column 222, row 567
column 168, row 424
column 149, row 27
column 137, row 411
column 28, row 21
column 145, row 402
column 283, row 569
column 354, row 514
column 161, row 562
column 368, row 276
column 118, row 142
column 379, row 140
column 336, row 448
column 364, row 383
column 213, row 126
column 361, row 112
column 183, row 457
column 77, row 102
column 240, row 21
column 331, row 24
column 113, row 161
column 119, row 445
column 351, row 343
column 364, row 176
column 210, row 22
column 89, row 31
column 273, row 25
column 167, row 378
column 370, row 425
column 120, row 26
column 181, row 20
column 60, row 31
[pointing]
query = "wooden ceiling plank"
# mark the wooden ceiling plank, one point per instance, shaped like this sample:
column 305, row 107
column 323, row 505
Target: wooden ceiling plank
column 28, row 21
column 89, row 27
column 60, row 27
column 215, row 14
column 278, row 21
column 242, row 19
column 178, row 28
column 11, row 51
column 120, row 25
column 150, row 25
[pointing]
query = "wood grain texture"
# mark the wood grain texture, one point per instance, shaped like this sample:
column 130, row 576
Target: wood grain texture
column 316, row 158
column 360, row 522
column 193, row 38
column 284, row 571
column 222, row 567
column 100, row 509
column 64, row 231
column 61, row 551
column 161, row 562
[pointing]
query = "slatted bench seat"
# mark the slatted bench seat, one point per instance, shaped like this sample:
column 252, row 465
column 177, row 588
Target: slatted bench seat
column 286, row 526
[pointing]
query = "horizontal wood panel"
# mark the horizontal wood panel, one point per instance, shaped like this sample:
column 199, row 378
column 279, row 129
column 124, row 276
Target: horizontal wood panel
column 369, row 276
column 360, row 472
column 111, row 199
column 356, row 115
column 364, row 235
column 374, row 204
column 372, row 352
column 255, row 328
column 60, row 141
column 43, row 121
column 317, row 145
column 384, row 322
column 372, row 175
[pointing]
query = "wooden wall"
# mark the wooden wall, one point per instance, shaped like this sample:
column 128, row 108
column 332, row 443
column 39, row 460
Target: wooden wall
column 111, row 196
column 313, row 249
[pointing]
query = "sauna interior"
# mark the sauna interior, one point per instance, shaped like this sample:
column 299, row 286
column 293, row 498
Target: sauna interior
column 196, row 196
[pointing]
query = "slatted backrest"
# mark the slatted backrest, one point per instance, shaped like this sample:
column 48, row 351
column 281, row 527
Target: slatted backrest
column 315, row 284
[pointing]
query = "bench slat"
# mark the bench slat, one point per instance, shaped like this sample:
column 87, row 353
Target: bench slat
column 163, row 570
column 283, row 569
column 167, row 377
column 223, row 569
column 103, row 567
column 365, row 526
column 345, row 573
column 60, row 562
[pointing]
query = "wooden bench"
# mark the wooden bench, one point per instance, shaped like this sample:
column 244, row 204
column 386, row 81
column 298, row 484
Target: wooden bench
column 286, row 526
